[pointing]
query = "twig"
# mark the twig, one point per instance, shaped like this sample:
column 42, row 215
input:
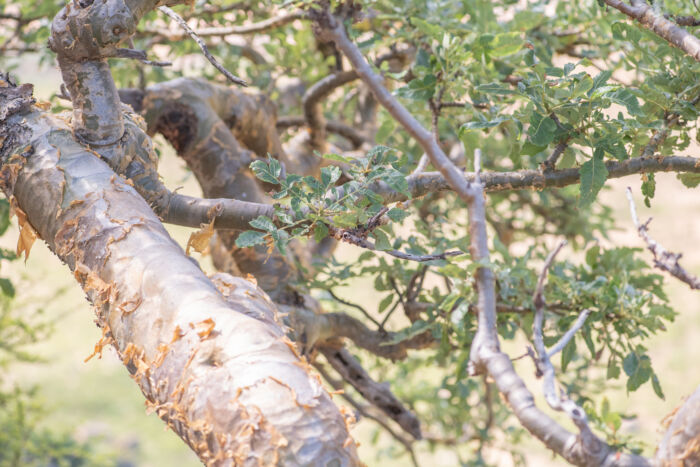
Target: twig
column 353, row 239
column 183, row 24
column 663, row 259
column 253, row 28
column 353, row 305
column 351, row 134
column 139, row 55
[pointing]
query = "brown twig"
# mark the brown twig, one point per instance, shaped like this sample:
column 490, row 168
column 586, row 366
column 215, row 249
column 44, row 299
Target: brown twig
column 183, row 24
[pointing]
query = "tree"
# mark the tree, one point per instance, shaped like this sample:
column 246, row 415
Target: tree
column 227, row 362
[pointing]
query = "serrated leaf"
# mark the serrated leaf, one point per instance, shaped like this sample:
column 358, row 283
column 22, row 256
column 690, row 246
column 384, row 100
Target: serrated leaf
column 250, row 238
column 593, row 176
column 329, row 175
column 626, row 98
column 263, row 223
column 397, row 215
column 600, row 80
column 542, row 129
column 382, row 240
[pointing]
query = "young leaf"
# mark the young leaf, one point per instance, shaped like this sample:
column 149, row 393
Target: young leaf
column 593, row 175
column 250, row 238
column 541, row 129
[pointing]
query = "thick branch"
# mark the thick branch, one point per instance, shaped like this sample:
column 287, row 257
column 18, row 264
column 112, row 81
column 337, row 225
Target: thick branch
column 218, row 369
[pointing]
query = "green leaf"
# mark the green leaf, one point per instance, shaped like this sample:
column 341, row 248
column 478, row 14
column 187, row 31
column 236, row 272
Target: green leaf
column 263, row 223
column 329, row 175
column 4, row 215
column 582, row 87
column 480, row 125
column 656, row 384
column 626, row 98
column 638, row 368
column 505, row 44
column 691, row 180
column 593, row 175
column 7, row 287
column 397, row 215
column 397, row 181
column 267, row 171
column 648, row 188
column 600, row 80
column 386, row 301
column 542, row 129
column 495, row 88
column 568, row 353
column 337, row 157
column 382, row 240
column 250, row 238
column 419, row 89
column 320, row 231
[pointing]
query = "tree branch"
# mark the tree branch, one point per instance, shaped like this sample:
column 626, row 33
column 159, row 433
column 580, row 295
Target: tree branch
column 663, row 259
column 183, row 24
column 377, row 394
column 664, row 28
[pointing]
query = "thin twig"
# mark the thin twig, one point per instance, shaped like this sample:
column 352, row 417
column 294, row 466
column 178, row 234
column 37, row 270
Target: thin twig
column 663, row 259
column 183, row 24
column 353, row 305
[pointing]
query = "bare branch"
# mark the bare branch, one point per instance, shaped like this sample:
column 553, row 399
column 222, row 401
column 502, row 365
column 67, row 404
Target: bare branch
column 183, row 24
column 253, row 28
column 663, row 259
column 313, row 111
column 334, row 30
column 377, row 394
column 349, row 237
column 665, row 28
column 353, row 305
column 351, row 134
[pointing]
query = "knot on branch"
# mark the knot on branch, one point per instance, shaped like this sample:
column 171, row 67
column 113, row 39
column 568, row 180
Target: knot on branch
column 84, row 31
column 13, row 98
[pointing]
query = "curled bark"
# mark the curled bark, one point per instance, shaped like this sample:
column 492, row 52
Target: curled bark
column 218, row 369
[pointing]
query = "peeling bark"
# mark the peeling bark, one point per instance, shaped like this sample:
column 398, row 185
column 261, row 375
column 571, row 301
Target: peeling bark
column 210, row 356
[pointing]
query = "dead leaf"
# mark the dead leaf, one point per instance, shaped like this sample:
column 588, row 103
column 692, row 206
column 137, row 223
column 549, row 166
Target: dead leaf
column 199, row 240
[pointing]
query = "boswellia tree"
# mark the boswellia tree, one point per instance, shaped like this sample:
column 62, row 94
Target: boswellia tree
column 456, row 145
